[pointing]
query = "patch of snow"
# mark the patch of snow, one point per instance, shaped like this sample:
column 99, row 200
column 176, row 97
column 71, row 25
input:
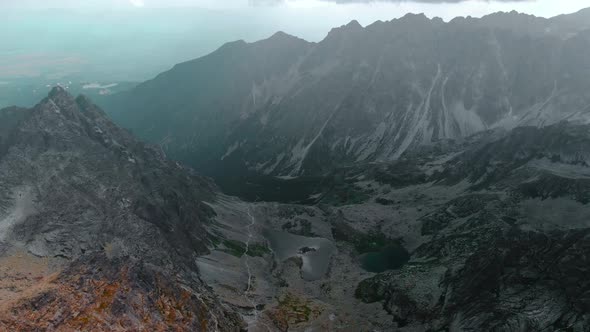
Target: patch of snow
column 561, row 169
column 373, row 142
column 286, row 177
column 468, row 121
column 272, row 167
column 90, row 86
column 315, row 196
column 54, row 107
column 319, row 134
column 22, row 207
column 419, row 122
column 350, row 143
column 231, row 150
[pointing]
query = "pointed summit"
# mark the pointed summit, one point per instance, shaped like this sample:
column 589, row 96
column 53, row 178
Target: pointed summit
column 61, row 102
column 60, row 96
column 283, row 38
column 350, row 28
column 58, row 91
column 281, row 35
column 354, row 24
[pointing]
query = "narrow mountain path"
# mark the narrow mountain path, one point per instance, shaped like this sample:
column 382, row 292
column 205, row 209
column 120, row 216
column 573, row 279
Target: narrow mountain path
column 247, row 260
column 247, row 294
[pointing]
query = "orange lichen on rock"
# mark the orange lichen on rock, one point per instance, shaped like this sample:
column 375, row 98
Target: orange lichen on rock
column 99, row 294
column 293, row 310
column 21, row 275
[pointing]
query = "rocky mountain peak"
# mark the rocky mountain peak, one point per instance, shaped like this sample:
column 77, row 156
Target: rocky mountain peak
column 281, row 35
column 415, row 20
column 347, row 30
column 61, row 97
column 59, row 103
column 85, row 195
column 57, row 91
column 279, row 41
column 417, row 17
column 353, row 25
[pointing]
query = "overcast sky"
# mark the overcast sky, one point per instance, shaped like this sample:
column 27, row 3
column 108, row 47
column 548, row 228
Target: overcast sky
column 368, row 9
column 136, row 39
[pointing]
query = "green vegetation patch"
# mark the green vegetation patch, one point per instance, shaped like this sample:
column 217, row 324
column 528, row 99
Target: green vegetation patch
column 234, row 247
column 238, row 248
column 258, row 249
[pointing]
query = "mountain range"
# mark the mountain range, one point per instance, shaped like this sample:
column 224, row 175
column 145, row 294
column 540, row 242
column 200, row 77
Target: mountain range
column 362, row 94
column 411, row 175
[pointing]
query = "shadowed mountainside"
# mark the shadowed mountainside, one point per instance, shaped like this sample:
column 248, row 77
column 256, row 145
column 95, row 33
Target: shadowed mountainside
column 286, row 107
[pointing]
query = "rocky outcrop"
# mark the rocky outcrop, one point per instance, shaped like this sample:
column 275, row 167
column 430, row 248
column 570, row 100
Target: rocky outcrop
column 496, row 278
column 123, row 224
column 505, row 254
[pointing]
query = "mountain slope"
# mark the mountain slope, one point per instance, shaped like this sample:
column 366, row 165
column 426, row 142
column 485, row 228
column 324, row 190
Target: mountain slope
column 98, row 230
column 220, row 85
column 509, row 253
column 490, row 233
column 284, row 107
column 109, row 215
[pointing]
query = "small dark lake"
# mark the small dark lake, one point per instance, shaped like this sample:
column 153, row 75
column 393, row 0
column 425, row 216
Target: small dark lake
column 389, row 258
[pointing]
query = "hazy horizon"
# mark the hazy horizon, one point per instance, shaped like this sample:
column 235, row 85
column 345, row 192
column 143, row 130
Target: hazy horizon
column 395, row 174
column 121, row 40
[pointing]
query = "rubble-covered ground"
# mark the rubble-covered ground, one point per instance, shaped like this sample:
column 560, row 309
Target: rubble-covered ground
column 488, row 233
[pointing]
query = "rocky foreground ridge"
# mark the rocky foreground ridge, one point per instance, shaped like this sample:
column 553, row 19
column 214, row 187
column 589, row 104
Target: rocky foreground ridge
column 97, row 230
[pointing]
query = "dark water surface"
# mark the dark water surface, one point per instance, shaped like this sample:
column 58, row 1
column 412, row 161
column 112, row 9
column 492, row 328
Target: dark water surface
column 389, row 258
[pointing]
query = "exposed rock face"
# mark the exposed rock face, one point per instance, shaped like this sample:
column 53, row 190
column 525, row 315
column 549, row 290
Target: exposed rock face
column 490, row 233
column 479, row 222
column 508, row 254
column 492, row 279
column 449, row 164
column 87, row 183
column 74, row 188
column 286, row 107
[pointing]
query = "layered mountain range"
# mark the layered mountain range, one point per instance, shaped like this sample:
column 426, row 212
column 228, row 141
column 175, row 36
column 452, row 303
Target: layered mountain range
column 100, row 231
column 286, row 107
column 441, row 174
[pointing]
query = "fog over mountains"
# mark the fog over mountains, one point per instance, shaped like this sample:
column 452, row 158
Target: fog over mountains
column 362, row 94
column 410, row 175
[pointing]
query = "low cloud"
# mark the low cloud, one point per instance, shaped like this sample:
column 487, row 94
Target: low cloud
column 422, row 1
column 276, row 2
column 36, row 65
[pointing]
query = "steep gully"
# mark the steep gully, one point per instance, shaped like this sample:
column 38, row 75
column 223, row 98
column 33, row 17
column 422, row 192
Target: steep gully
column 249, row 286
